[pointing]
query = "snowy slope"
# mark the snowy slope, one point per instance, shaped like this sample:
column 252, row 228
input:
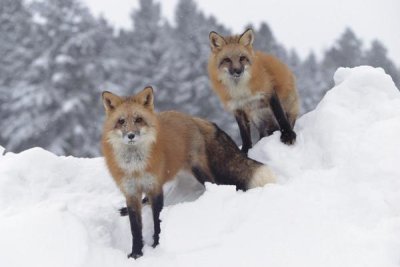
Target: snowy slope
column 337, row 202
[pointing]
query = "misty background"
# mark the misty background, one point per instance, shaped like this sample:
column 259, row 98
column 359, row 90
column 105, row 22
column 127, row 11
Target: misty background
column 56, row 58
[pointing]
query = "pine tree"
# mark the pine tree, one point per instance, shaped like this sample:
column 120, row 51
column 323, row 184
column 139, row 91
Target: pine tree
column 145, row 55
column 52, row 104
column 17, row 46
column 192, row 51
column 310, row 83
column 294, row 62
column 56, row 58
column 346, row 52
column 377, row 56
column 265, row 41
column 192, row 45
column 16, row 40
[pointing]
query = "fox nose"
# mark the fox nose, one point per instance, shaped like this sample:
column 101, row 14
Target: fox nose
column 236, row 72
column 131, row 136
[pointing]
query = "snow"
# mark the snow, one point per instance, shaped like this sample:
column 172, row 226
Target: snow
column 336, row 202
column 39, row 19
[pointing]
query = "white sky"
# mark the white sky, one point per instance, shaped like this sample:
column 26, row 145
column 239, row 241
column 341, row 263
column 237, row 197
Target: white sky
column 301, row 24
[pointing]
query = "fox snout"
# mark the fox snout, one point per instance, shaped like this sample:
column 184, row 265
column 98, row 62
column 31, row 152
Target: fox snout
column 130, row 138
column 236, row 72
column 234, row 67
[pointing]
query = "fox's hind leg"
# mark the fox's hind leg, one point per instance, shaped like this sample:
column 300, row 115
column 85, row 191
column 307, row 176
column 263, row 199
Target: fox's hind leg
column 199, row 161
column 267, row 128
column 201, row 174
column 264, row 121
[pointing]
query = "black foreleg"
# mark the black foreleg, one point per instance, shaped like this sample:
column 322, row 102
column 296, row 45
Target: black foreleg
column 157, row 203
column 288, row 136
column 135, row 219
column 244, row 128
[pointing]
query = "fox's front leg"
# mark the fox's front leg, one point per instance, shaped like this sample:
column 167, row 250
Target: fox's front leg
column 134, row 208
column 288, row 136
column 244, row 127
column 157, row 203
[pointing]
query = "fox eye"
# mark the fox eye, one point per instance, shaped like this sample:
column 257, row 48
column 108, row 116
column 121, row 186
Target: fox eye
column 121, row 121
column 226, row 60
column 138, row 120
column 243, row 58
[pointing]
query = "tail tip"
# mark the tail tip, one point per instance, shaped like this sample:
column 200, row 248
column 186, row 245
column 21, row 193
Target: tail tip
column 262, row 176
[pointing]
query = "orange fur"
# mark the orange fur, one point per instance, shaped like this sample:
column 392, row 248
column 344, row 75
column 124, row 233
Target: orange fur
column 143, row 150
column 173, row 141
column 257, row 87
column 177, row 137
column 267, row 74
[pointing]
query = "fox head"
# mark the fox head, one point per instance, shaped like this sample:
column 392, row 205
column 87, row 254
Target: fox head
column 130, row 121
column 232, row 56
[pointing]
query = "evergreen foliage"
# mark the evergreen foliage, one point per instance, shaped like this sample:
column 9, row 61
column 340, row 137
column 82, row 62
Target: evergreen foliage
column 56, row 58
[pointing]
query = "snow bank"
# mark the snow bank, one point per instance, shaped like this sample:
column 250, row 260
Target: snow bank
column 337, row 202
column 63, row 211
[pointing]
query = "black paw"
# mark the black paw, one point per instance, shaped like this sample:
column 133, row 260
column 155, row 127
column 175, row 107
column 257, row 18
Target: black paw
column 135, row 255
column 155, row 243
column 123, row 211
column 288, row 137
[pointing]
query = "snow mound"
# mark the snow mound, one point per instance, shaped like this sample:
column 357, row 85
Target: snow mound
column 336, row 202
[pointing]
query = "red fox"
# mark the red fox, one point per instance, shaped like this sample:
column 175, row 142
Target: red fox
column 144, row 149
column 257, row 87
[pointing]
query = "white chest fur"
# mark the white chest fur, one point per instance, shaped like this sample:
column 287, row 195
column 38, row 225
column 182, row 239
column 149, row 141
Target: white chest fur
column 247, row 102
column 240, row 93
column 130, row 158
column 140, row 184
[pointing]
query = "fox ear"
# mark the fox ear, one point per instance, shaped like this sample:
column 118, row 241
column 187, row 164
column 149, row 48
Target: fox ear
column 247, row 37
column 216, row 41
column 110, row 101
column 146, row 97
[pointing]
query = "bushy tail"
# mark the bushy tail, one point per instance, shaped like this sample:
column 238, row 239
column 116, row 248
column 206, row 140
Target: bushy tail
column 261, row 176
column 230, row 166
